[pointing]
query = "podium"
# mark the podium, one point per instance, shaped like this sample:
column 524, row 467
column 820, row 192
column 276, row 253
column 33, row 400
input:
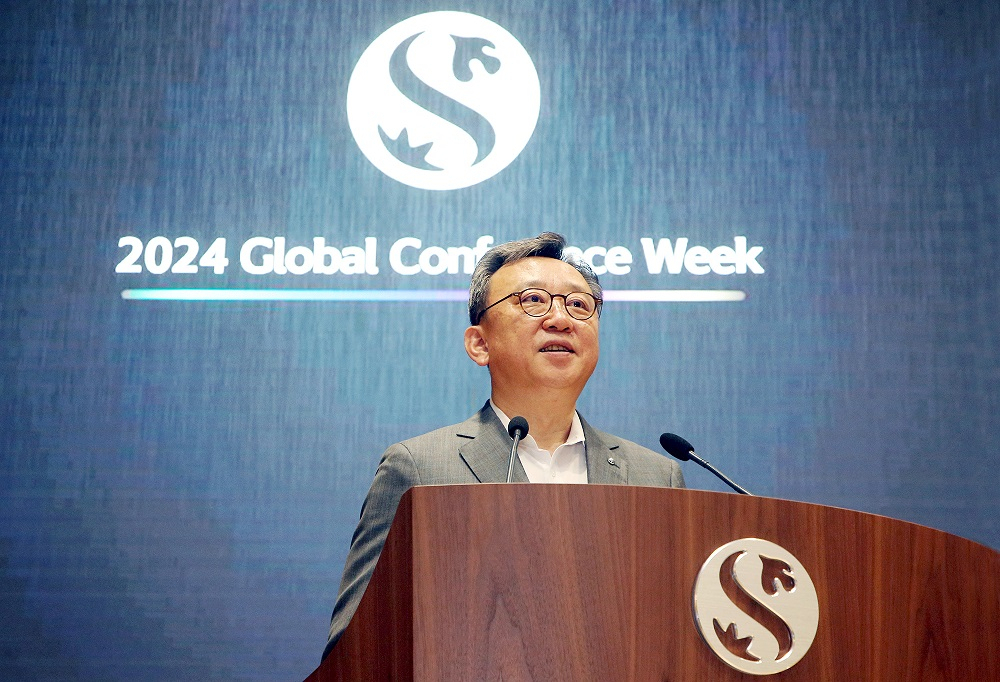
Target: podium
column 594, row 582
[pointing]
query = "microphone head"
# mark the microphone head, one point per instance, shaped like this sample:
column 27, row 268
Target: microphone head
column 676, row 446
column 518, row 424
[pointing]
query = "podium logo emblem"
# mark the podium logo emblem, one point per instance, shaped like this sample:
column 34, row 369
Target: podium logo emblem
column 755, row 606
column 443, row 100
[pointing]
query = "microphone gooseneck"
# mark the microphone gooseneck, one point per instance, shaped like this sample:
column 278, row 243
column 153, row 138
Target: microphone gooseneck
column 517, row 429
column 682, row 450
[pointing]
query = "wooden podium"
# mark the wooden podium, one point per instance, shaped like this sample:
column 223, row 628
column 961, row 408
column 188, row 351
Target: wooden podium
column 590, row 582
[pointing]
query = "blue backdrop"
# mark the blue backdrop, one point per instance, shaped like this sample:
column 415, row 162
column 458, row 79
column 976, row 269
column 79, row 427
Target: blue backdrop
column 180, row 479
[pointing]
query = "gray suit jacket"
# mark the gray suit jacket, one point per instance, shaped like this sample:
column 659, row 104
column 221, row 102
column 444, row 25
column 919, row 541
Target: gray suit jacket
column 475, row 451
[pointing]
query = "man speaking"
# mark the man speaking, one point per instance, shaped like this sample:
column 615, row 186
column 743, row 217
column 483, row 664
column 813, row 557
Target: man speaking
column 534, row 316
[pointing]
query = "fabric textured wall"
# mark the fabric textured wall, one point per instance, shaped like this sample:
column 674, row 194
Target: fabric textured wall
column 179, row 481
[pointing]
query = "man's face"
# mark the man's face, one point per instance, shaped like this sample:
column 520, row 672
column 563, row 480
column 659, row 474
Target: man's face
column 524, row 352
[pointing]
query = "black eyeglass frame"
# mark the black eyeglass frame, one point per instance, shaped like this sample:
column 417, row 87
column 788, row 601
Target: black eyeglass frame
column 598, row 303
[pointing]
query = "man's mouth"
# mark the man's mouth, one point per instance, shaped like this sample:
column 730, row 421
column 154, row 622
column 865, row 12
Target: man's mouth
column 556, row 348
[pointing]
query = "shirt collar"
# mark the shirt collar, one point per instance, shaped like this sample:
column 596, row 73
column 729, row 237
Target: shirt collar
column 576, row 434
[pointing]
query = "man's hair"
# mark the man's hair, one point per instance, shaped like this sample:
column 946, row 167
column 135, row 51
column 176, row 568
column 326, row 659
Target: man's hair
column 545, row 245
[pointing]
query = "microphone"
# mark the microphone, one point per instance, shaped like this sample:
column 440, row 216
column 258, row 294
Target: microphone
column 682, row 450
column 517, row 429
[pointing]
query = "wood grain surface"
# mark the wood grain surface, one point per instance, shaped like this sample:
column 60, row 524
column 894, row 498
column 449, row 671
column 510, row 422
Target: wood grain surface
column 554, row 582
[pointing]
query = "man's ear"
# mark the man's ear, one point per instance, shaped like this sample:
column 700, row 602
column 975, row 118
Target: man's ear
column 476, row 347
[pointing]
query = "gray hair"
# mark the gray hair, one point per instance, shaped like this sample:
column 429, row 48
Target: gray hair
column 545, row 245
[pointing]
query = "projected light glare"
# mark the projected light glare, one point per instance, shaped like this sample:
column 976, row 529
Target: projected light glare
column 676, row 295
column 411, row 295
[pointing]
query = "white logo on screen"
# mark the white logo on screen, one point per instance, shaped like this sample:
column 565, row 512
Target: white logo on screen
column 443, row 100
column 755, row 606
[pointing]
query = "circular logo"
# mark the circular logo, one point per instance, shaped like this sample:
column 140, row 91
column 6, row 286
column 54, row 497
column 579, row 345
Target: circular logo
column 755, row 606
column 443, row 100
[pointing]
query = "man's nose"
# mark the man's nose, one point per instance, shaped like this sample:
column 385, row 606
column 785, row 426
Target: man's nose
column 558, row 315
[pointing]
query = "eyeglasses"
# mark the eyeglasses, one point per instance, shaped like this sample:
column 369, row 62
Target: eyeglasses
column 538, row 302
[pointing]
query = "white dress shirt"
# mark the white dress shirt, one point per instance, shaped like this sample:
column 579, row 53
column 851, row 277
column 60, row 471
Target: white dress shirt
column 567, row 464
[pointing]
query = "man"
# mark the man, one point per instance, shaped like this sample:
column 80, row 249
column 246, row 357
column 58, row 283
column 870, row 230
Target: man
column 535, row 318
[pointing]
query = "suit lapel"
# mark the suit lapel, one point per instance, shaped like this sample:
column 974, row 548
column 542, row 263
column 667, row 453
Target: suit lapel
column 487, row 451
column 603, row 466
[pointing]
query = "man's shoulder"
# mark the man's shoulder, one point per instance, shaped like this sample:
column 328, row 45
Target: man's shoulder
column 630, row 446
column 614, row 442
column 464, row 430
column 645, row 466
column 465, row 452
column 631, row 449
